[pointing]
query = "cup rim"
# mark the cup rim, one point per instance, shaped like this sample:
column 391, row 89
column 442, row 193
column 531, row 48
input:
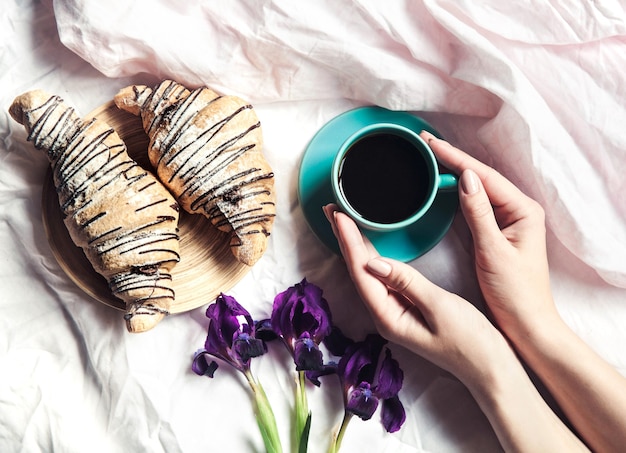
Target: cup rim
column 423, row 148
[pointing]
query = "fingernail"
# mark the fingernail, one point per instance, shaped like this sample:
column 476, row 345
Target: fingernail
column 325, row 211
column 428, row 136
column 379, row 267
column 469, row 182
column 329, row 211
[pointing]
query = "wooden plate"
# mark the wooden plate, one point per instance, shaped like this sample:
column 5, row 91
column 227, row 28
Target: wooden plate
column 207, row 266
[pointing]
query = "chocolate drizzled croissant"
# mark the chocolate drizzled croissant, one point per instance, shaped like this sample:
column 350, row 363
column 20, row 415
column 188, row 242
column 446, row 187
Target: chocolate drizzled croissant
column 206, row 149
column 118, row 213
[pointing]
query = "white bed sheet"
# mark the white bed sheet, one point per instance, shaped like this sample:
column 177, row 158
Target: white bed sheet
column 537, row 91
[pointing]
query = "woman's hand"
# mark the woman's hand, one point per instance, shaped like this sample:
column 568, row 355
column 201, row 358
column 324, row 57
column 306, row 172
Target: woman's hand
column 509, row 243
column 410, row 310
column 447, row 330
column 512, row 268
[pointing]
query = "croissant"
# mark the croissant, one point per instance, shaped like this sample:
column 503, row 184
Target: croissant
column 206, row 149
column 118, row 213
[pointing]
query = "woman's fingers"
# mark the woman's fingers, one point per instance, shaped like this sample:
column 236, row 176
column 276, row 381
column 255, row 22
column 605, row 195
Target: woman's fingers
column 478, row 212
column 375, row 276
column 406, row 307
column 361, row 260
column 509, row 204
column 499, row 189
column 408, row 283
column 356, row 251
column 355, row 235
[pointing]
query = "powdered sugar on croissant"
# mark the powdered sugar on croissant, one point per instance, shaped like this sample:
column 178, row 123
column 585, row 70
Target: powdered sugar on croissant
column 207, row 149
column 120, row 214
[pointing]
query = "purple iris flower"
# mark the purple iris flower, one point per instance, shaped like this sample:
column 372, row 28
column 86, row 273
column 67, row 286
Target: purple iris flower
column 231, row 338
column 336, row 343
column 367, row 381
column 301, row 318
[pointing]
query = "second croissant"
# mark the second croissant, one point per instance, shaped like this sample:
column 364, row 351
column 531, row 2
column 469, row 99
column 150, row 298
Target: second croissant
column 207, row 149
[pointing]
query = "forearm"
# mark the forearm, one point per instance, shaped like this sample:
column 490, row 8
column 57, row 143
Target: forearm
column 518, row 414
column 591, row 393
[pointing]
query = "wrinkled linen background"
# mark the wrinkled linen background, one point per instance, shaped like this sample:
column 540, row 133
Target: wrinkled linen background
column 537, row 91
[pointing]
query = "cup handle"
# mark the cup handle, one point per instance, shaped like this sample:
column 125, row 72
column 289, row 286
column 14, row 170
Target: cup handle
column 447, row 182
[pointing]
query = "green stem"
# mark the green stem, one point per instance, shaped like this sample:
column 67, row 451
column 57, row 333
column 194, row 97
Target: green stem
column 303, row 415
column 335, row 444
column 264, row 416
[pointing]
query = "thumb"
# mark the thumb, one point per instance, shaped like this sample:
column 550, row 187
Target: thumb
column 478, row 211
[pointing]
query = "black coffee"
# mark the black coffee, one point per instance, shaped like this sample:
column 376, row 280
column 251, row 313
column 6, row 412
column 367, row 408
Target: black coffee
column 384, row 178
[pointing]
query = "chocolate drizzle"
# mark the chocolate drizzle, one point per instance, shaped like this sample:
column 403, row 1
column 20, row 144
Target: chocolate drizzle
column 198, row 154
column 93, row 174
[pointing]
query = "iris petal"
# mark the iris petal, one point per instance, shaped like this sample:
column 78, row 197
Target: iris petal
column 314, row 375
column 315, row 312
column 336, row 342
column 263, row 330
column 281, row 313
column 227, row 318
column 231, row 333
column 301, row 308
column 247, row 347
column 390, row 377
column 307, row 354
column 215, row 343
column 304, row 318
column 360, row 361
column 393, row 414
column 202, row 366
column 283, row 324
column 362, row 402
column 232, row 317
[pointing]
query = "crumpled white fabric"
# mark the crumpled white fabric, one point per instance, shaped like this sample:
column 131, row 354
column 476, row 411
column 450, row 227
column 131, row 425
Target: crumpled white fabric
column 535, row 90
column 534, row 73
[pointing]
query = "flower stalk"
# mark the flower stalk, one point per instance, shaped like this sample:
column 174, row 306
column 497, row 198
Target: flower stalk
column 335, row 443
column 264, row 416
column 303, row 415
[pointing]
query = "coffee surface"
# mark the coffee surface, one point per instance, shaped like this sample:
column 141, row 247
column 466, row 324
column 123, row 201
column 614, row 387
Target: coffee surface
column 384, row 178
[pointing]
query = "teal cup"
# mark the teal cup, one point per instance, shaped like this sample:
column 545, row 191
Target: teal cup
column 386, row 177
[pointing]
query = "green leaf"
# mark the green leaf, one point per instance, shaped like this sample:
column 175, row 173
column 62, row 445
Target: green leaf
column 304, row 439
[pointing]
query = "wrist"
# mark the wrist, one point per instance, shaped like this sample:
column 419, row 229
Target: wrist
column 518, row 414
column 529, row 321
column 496, row 376
column 537, row 334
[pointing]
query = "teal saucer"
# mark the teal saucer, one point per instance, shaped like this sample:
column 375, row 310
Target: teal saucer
column 314, row 187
